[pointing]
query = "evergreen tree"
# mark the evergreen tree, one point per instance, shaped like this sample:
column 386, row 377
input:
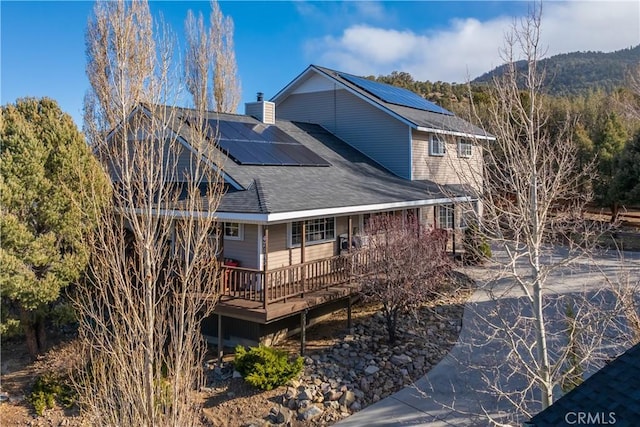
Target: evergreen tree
column 609, row 143
column 46, row 170
column 626, row 181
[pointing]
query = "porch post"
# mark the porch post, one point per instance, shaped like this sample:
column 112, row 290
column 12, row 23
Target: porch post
column 302, row 255
column 435, row 216
column 221, row 240
column 265, row 239
column 220, row 340
column 303, row 332
column 349, row 234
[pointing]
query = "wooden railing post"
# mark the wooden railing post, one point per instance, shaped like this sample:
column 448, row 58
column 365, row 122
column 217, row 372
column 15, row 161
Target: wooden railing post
column 265, row 283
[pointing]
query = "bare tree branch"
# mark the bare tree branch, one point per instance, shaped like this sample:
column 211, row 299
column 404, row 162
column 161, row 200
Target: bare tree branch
column 153, row 277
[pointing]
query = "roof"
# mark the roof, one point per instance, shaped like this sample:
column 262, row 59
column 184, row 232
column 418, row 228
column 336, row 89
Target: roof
column 612, row 393
column 351, row 179
column 417, row 118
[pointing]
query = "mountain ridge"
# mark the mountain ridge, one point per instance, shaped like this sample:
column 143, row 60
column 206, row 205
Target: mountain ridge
column 577, row 72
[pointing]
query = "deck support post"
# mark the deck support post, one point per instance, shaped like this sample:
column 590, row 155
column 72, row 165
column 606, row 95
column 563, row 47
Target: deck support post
column 303, row 242
column 220, row 340
column 349, row 324
column 303, row 332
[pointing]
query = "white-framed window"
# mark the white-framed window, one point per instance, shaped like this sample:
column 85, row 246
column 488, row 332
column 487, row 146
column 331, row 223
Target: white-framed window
column 445, row 216
column 437, row 145
column 233, row 231
column 465, row 148
column 316, row 231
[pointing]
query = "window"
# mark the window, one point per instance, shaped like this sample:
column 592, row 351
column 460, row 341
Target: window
column 317, row 230
column 437, row 146
column 464, row 148
column 445, row 216
column 233, row 231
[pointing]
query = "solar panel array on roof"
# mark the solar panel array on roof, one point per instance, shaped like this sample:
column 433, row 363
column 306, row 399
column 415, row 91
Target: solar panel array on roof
column 395, row 95
column 260, row 144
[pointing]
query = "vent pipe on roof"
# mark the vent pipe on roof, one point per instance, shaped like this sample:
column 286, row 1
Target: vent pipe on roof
column 265, row 111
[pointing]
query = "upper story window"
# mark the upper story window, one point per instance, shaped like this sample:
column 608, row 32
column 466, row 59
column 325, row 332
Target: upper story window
column 465, row 148
column 233, row 231
column 437, row 146
column 316, row 230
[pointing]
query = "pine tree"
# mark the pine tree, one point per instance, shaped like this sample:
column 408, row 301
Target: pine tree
column 45, row 168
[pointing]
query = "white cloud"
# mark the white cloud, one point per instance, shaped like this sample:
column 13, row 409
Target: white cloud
column 469, row 47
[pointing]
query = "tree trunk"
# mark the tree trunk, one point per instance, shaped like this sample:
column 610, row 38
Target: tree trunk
column 391, row 326
column 34, row 332
column 615, row 210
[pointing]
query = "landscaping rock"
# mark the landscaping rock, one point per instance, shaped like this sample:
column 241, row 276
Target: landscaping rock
column 371, row 369
column 347, row 398
column 310, row 413
column 401, row 359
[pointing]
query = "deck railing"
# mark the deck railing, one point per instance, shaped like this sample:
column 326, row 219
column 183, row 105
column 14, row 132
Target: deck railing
column 294, row 281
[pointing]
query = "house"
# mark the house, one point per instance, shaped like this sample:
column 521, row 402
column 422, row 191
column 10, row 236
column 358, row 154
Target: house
column 611, row 396
column 303, row 172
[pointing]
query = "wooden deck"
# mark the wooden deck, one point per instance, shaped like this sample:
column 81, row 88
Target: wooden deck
column 263, row 297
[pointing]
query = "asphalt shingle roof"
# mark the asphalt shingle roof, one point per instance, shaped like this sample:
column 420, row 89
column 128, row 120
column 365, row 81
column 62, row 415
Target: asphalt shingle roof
column 352, row 179
column 612, row 394
column 419, row 118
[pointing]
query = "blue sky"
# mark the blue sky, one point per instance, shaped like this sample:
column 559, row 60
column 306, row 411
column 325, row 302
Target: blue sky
column 43, row 42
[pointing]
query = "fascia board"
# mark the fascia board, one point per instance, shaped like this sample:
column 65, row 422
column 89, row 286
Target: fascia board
column 454, row 133
column 283, row 217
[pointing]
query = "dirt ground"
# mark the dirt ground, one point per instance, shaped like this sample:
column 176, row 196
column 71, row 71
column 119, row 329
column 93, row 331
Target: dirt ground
column 237, row 402
column 232, row 404
column 19, row 374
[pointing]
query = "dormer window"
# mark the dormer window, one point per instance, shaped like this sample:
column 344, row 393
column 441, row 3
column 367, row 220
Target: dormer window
column 437, row 146
column 465, row 148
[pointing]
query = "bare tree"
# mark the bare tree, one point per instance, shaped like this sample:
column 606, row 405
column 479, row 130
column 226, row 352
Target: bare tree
column 120, row 62
column 198, row 58
column 532, row 206
column 410, row 264
column 154, row 273
column 211, row 55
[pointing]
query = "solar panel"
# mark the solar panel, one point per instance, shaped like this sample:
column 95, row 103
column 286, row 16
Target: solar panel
column 395, row 95
column 260, row 144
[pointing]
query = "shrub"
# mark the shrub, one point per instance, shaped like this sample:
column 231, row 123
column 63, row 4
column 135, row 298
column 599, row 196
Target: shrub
column 266, row 367
column 49, row 389
column 475, row 245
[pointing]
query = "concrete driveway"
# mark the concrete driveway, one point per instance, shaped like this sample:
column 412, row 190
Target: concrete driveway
column 456, row 392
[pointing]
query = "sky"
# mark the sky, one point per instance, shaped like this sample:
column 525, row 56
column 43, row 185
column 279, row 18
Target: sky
column 42, row 43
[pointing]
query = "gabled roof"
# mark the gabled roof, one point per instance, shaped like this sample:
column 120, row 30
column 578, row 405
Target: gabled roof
column 612, row 394
column 350, row 183
column 420, row 119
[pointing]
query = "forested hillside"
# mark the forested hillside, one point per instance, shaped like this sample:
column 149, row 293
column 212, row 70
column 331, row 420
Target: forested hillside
column 578, row 72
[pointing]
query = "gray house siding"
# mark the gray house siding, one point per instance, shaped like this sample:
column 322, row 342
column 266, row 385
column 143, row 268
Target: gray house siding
column 245, row 250
column 371, row 131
